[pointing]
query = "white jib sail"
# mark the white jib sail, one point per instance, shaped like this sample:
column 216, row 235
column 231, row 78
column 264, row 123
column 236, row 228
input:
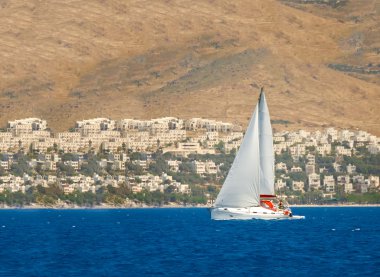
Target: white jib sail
column 241, row 187
column 266, row 149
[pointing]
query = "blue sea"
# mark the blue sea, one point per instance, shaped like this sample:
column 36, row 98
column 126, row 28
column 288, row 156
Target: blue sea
column 185, row 242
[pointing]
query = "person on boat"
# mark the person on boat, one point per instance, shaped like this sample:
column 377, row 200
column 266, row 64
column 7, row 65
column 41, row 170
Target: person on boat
column 280, row 205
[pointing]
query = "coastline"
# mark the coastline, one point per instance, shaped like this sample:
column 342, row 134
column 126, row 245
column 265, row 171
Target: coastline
column 333, row 205
column 168, row 206
column 96, row 207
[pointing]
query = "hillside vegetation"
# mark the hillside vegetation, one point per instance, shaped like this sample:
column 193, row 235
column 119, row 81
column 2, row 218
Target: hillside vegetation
column 319, row 61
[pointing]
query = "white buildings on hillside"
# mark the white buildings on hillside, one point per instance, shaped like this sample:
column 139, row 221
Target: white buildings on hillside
column 94, row 125
column 344, row 181
column 170, row 134
column 209, row 125
column 281, row 167
column 310, row 168
column 174, row 165
column 295, row 169
column 351, row 169
column 341, row 150
column 279, row 185
column 297, row 151
column 26, row 125
column 324, row 149
column 207, row 167
column 314, row 181
column 298, row 186
column 329, row 183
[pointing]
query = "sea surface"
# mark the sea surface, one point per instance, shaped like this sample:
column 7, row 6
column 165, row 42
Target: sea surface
column 185, row 242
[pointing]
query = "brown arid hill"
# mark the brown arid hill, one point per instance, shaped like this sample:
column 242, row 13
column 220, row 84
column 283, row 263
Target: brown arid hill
column 319, row 61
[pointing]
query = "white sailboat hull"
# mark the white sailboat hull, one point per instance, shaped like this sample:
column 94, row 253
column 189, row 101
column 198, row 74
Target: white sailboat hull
column 227, row 213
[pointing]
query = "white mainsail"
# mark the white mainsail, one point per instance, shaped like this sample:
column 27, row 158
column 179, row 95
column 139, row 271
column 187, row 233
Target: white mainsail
column 241, row 187
column 266, row 149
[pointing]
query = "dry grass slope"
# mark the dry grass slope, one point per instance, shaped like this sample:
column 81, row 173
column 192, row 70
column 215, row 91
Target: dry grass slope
column 69, row 60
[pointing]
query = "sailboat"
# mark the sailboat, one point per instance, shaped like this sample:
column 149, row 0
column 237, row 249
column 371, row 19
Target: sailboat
column 248, row 191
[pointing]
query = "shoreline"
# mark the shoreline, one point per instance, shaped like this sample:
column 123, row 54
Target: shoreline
column 111, row 207
column 333, row 205
column 97, row 207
